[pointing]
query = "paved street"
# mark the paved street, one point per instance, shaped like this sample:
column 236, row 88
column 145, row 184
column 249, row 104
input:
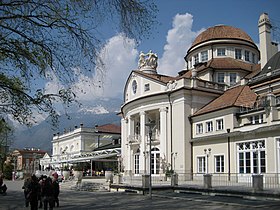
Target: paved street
column 71, row 200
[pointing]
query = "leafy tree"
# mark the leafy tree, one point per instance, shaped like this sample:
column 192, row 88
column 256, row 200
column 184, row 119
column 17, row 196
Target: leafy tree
column 5, row 134
column 43, row 40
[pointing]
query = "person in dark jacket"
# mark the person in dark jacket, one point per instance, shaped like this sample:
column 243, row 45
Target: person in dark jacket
column 47, row 193
column 3, row 187
column 33, row 192
column 55, row 184
column 26, row 183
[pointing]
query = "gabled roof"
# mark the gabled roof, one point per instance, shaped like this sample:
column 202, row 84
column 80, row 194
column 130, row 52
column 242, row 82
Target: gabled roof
column 109, row 128
column 237, row 96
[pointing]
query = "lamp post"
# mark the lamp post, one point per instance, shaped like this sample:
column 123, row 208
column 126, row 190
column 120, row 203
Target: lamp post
column 151, row 126
column 145, row 161
column 207, row 154
column 228, row 139
column 173, row 156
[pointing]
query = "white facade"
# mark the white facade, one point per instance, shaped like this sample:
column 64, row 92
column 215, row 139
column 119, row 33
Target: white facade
column 85, row 144
column 195, row 130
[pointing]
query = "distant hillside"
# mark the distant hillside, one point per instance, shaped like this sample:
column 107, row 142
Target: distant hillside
column 40, row 136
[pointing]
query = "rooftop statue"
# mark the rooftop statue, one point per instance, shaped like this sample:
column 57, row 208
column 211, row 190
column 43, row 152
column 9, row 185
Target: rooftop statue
column 147, row 60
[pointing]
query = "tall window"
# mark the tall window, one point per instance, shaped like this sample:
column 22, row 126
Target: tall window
column 221, row 51
column 253, row 58
column 155, row 164
column 232, row 78
column 204, row 56
column 201, row 165
column 199, row 128
column 278, row 153
column 219, row 164
column 134, row 86
column 219, row 124
column 221, row 77
column 136, row 162
column 209, row 126
column 196, row 59
column 251, row 157
column 238, row 54
column 247, row 55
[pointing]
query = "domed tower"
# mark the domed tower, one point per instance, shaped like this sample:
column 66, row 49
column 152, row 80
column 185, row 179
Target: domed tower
column 223, row 54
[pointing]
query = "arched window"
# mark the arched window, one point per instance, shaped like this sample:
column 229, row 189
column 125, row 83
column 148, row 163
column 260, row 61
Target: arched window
column 155, row 164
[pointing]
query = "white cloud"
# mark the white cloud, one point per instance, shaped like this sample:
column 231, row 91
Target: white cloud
column 179, row 39
column 119, row 57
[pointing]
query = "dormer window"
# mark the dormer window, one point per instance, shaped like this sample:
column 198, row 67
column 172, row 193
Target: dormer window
column 221, row 51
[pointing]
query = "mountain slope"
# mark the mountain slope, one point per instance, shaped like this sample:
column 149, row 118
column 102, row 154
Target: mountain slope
column 40, row 136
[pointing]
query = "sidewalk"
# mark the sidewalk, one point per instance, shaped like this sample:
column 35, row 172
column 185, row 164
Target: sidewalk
column 234, row 191
column 231, row 191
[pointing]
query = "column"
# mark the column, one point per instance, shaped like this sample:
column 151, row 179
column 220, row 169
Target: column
column 129, row 156
column 125, row 147
column 142, row 157
column 163, row 132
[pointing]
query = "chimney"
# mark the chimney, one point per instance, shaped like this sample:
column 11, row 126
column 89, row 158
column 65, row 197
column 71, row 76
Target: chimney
column 267, row 47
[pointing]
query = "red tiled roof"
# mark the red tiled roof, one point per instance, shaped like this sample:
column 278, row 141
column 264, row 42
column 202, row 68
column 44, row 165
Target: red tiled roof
column 229, row 63
column 222, row 32
column 25, row 151
column 109, row 128
column 238, row 96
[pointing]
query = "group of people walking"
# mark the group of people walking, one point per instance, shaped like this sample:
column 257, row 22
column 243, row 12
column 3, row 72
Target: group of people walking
column 42, row 192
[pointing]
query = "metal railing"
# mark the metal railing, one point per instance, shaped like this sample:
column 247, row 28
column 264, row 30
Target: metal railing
column 271, row 181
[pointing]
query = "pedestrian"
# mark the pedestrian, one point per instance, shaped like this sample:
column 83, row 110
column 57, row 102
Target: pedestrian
column 56, row 189
column 33, row 192
column 3, row 187
column 40, row 200
column 47, row 193
column 27, row 181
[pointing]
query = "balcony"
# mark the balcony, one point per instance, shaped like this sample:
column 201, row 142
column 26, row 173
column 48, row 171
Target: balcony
column 134, row 139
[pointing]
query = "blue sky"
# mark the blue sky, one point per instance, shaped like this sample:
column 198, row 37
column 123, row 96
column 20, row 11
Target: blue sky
column 180, row 22
column 242, row 14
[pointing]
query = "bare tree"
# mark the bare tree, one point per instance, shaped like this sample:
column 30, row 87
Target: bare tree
column 42, row 40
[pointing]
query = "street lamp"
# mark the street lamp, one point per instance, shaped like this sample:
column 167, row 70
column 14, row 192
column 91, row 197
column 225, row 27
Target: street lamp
column 151, row 125
column 207, row 154
column 173, row 156
column 228, row 139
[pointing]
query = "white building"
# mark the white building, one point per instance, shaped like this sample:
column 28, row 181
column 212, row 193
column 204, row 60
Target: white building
column 219, row 115
column 99, row 146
